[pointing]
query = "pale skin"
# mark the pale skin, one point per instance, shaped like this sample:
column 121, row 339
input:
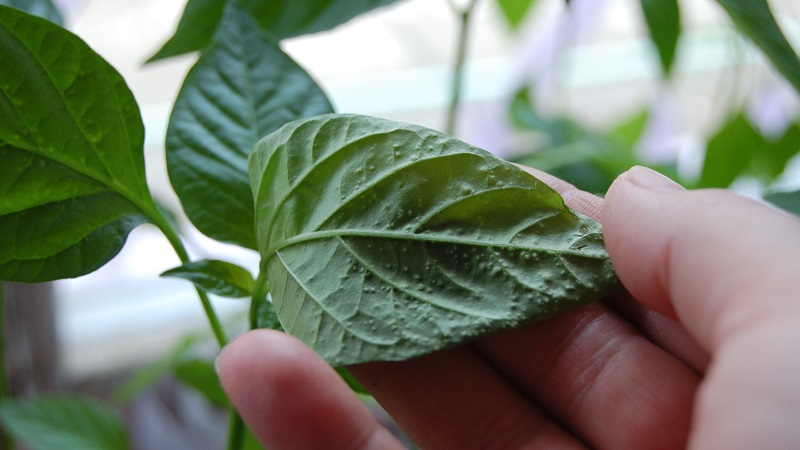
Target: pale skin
column 702, row 354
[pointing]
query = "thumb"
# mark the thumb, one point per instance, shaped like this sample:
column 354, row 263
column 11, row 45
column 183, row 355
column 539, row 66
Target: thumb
column 715, row 260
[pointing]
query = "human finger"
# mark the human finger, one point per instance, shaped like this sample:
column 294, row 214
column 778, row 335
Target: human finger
column 291, row 399
column 726, row 267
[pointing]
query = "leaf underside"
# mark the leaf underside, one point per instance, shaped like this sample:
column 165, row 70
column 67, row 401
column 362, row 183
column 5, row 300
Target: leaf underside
column 385, row 241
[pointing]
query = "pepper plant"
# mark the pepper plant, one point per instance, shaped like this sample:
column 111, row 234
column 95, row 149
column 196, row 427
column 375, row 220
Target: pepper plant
column 378, row 240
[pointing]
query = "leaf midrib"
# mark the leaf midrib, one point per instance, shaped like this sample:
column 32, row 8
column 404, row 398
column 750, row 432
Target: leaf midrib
column 414, row 237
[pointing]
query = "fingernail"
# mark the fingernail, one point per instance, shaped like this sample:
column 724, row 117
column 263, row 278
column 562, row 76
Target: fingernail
column 652, row 180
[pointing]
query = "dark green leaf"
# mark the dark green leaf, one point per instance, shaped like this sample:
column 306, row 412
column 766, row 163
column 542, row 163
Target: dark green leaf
column 514, row 10
column 42, row 8
column 64, row 423
column 282, row 18
column 730, row 152
column 243, row 88
column 754, row 18
column 771, row 160
column 287, row 18
column 195, row 29
column 789, row 201
column 72, row 181
column 663, row 19
column 386, row 241
column 215, row 277
column 201, row 375
column 266, row 317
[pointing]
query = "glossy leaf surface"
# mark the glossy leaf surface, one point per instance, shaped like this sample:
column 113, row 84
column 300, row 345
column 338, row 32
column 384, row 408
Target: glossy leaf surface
column 281, row 18
column 64, row 422
column 215, row 277
column 243, row 88
column 663, row 20
column 386, row 241
column 754, row 18
column 72, row 179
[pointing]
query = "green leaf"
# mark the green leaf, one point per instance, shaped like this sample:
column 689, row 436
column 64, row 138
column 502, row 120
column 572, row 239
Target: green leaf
column 42, row 8
column 771, row 160
column 514, row 10
column 738, row 149
column 201, row 375
column 64, row 422
column 788, row 201
column 663, row 19
column 266, row 316
column 195, row 29
column 243, row 88
column 729, row 152
column 147, row 376
column 215, row 277
column 754, row 18
column 384, row 241
column 71, row 138
column 281, row 18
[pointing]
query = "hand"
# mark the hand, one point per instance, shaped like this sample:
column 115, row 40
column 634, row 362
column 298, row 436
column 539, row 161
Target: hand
column 619, row 374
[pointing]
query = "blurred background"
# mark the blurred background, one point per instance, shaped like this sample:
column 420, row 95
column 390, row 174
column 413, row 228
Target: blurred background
column 576, row 91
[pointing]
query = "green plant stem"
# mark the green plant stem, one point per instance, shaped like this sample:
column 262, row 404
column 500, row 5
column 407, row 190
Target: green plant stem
column 458, row 68
column 260, row 291
column 235, row 431
column 180, row 250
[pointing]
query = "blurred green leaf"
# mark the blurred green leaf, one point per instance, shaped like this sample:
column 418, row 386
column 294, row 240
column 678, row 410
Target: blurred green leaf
column 241, row 89
column 787, row 200
column 754, row 18
column 59, row 423
column 281, row 18
column 42, row 8
column 628, row 132
column 587, row 159
column 71, row 141
column 663, row 20
column 215, row 277
column 200, row 375
column 729, row 152
column 771, row 161
column 515, row 10
column 738, row 149
column 146, row 377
